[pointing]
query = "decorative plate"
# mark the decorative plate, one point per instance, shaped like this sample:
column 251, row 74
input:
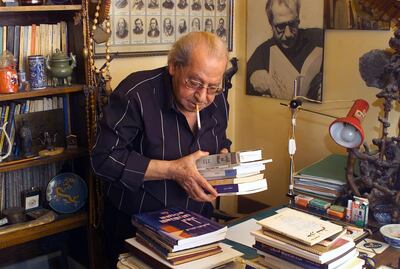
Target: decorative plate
column 66, row 193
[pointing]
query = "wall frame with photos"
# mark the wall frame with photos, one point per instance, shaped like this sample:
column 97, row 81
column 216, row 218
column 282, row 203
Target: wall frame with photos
column 275, row 61
column 150, row 27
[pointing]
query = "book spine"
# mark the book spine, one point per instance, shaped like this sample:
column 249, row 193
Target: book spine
column 288, row 256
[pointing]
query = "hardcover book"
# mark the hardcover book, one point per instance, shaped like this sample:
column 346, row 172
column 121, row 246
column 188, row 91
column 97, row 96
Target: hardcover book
column 180, row 226
column 300, row 226
column 229, row 158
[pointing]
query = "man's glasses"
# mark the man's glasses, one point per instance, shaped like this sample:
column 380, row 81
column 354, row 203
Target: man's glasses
column 280, row 27
column 197, row 85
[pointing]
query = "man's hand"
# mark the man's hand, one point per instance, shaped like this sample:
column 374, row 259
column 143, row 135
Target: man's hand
column 184, row 171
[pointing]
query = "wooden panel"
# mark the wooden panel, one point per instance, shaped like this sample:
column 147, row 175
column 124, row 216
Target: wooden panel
column 39, row 93
column 65, row 223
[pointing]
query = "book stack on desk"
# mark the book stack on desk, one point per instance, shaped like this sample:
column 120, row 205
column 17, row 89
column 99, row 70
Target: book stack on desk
column 293, row 239
column 324, row 179
column 235, row 173
column 175, row 236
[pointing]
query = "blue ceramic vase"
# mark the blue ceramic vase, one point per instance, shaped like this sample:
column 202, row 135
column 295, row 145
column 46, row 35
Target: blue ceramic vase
column 37, row 70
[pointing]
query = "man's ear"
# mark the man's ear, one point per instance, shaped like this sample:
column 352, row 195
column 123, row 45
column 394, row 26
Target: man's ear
column 172, row 68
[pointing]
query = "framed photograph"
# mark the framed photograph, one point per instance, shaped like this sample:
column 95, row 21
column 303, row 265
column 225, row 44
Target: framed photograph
column 354, row 15
column 285, row 41
column 150, row 27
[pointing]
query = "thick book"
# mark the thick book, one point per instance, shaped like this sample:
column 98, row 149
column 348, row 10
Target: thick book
column 241, row 187
column 330, row 169
column 177, row 257
column 180, row 226
column 236, row 180
column 300, row 226
column 296, row 250
column 233, row 171
column 147, row 257
column 229, row 158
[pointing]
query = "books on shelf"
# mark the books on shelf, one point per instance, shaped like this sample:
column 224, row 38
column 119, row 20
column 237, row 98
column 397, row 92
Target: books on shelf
column 229, row 158
column 300, row 226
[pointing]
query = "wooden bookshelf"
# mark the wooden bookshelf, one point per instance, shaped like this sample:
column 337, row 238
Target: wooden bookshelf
column 39, row 93
column 41, row 8
column 68, row 154
column 62, row 224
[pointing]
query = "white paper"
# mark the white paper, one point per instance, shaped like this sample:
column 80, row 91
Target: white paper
column 241, row 232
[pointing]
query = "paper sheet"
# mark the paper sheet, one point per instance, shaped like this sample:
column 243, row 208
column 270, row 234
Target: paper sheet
column 241, row 232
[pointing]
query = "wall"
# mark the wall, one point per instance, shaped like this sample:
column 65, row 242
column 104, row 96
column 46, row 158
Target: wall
column 258, row 122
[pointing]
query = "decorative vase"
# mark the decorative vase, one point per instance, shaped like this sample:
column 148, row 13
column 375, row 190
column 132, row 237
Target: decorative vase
column 37, row 70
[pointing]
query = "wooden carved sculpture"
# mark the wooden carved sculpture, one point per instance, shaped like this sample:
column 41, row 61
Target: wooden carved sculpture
column 379, row 178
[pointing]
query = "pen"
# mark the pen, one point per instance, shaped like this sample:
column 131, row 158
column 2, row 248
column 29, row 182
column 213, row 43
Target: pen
column 198, row 117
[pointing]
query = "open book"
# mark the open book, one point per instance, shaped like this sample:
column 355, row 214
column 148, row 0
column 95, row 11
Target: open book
column 283, row 73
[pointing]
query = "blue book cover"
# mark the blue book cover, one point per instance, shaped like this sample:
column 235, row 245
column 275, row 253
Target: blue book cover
column 180, row 226
column 227, row 188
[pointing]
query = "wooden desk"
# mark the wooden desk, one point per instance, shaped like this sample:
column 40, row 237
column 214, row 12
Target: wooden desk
column 390, row 257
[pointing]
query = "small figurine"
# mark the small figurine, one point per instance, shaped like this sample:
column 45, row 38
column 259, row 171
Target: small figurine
column 49, row 142
column 25, row 135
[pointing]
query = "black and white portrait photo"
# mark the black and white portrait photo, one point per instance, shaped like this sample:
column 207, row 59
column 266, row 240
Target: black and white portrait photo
column 284, row 44
column 168, row 27
column 196, row 24
column 209, row 5
column 196, row 5
column 153, row 4
column 209, row 25
column 137, row 4
column 121, row 28
column 182, row 4
column 121, row 3
column 138, row 27
column 221, row 5
column 182, row 26
column 221, row 29
column 154, row 30
column 168, row 4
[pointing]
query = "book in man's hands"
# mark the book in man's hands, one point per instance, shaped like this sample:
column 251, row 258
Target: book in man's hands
column 229, row 158
column 237, row 170
column 241, row 187
column 300, row 226
column 236, row 180
column 178, row 226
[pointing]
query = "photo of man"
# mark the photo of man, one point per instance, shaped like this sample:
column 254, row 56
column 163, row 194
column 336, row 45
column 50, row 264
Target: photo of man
column 153, row 4
column 195, row 25
column 154, row 31
column 121, row 29
column 182, row 26
column 137, row 4
column 221, row 30
column 182, row 4
column 121, row 3
column 168, row 28
column 168, row 4
column 291, row 53
column 196, row 5
column 209, row 5
column 221, row 5
column 138, row 29
column 208, row 25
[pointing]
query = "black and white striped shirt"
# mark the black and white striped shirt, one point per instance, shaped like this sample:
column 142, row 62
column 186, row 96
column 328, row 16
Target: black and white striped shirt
column 142, row 122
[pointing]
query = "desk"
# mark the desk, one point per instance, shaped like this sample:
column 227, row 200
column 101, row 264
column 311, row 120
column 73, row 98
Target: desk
column 390, row 257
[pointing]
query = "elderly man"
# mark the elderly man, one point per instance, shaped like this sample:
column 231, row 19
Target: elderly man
column 292, row 52
column 148, row 140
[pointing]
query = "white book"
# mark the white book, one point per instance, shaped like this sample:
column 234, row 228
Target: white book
column 234, row 166
column 232, row 172
column 241, row 187
column 227, row 255
column 300, row 226
column 244, row 192
column 236, row 180
column 229, row 158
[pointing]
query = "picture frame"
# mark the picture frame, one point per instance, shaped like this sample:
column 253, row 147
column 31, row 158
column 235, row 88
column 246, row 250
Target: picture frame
column 275, row 62
column 150, row 27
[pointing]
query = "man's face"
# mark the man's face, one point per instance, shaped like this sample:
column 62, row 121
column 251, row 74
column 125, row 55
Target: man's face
column 138, row 24
column 209, row 26
column 285, row 24
column 221, row 24
column 153, row 24
column 203, row 68
column 181, row 24
column 167, row 24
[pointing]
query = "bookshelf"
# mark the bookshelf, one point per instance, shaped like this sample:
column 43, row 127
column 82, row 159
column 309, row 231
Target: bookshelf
column 71, row 39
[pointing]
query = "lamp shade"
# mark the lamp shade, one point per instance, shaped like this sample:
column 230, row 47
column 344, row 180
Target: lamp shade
column 347, row 131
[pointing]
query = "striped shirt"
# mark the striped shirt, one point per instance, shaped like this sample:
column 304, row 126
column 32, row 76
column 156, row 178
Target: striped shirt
column 142, row 122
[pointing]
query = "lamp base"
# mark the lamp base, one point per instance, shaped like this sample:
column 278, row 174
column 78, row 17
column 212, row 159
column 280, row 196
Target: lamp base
column 55, row 151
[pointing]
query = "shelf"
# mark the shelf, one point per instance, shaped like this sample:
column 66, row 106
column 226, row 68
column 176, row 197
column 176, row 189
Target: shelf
column 68, row 154
column 41, row 8
column 64, row 223
column 39, row 93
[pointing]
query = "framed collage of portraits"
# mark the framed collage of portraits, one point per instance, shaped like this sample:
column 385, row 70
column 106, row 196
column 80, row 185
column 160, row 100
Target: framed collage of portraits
column 150, row 27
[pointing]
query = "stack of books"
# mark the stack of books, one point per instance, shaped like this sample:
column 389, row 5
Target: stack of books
column 324, row 179
column 235, row 173
column 294, row 239
column 175, row 236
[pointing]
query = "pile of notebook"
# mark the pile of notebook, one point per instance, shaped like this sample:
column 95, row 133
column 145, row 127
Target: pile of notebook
column 324, row 179
column 175, row 236
column 294, row 239
column 235, row 173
